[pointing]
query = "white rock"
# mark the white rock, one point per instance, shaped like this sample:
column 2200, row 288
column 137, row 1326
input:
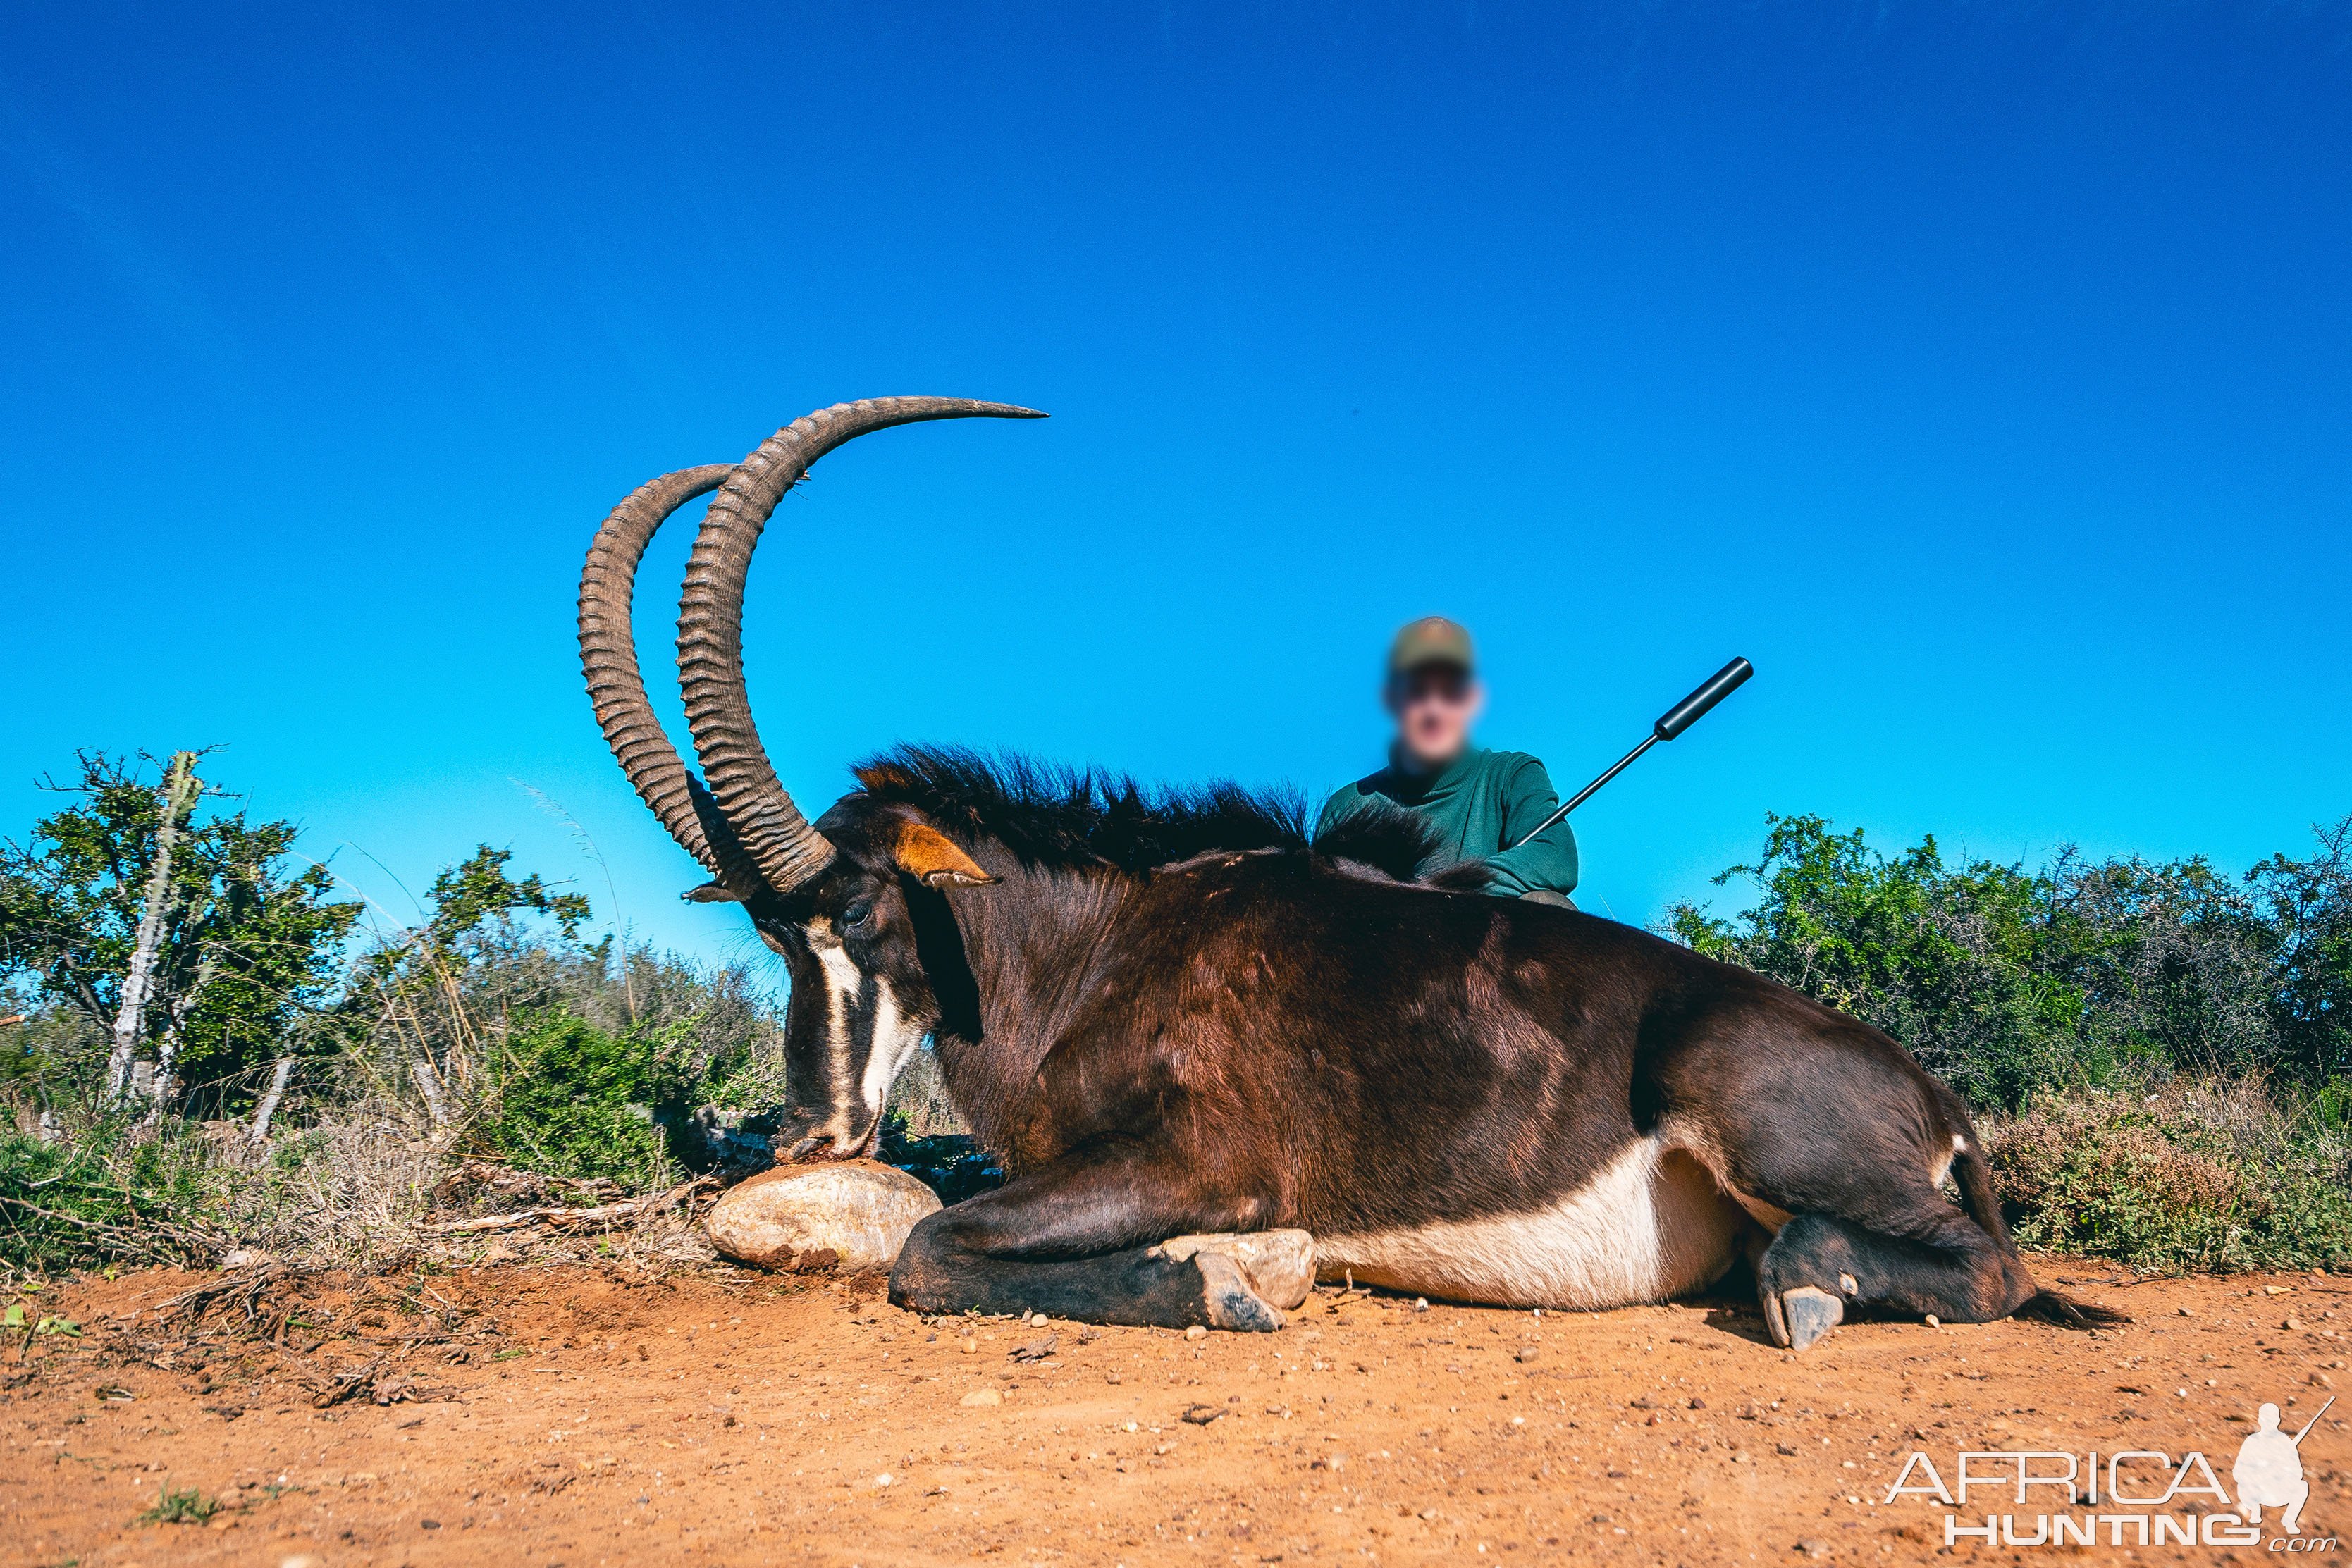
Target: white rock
column 853, row 1215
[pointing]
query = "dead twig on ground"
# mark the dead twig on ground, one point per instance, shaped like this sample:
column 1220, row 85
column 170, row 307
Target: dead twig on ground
column 247, row 1284
column 371, row 1380
column 601, row 1214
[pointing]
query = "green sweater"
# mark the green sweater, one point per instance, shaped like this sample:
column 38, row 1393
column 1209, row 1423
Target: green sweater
column 1484, row 801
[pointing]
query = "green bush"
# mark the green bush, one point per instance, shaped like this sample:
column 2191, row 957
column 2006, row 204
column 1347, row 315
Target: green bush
column 107, row 1194
column 573, row 1100
column 2008, row 982
column 2215, row 1174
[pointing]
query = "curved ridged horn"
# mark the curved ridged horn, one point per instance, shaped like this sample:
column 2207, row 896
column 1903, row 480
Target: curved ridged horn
column 608, row 656
column 710, row 624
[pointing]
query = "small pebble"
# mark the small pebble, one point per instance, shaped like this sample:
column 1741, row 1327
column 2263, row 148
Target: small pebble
column 1196, row 1331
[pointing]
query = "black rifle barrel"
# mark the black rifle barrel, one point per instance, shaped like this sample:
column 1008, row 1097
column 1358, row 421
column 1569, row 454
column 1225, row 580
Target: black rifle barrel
column 1671, row 722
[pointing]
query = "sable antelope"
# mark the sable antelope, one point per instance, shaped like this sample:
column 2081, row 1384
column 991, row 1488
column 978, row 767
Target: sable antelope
column 1170, row 1014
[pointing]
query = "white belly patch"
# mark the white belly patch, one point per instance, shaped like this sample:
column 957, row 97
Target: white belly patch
column 1650, row 1224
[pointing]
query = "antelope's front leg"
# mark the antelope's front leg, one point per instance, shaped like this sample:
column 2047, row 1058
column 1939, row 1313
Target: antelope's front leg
column 1085, row 1241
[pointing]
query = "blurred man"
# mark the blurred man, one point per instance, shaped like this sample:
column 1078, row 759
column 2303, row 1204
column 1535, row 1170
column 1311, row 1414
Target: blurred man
column 1477, row 804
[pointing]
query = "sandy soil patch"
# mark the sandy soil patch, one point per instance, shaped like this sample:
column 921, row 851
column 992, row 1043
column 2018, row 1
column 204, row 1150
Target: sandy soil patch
column 577, row 1418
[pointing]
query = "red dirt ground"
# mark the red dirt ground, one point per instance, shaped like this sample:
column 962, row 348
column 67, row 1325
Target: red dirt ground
column 568, row 1417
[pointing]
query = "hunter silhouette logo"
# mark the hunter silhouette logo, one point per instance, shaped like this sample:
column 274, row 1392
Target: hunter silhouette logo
column 2269, row 1471
column 2136, row 1496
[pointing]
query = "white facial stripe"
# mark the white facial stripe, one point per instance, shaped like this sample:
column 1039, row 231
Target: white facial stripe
column 843, row 982
column 894, row 1040
column 894, row 1043
column 843, row 985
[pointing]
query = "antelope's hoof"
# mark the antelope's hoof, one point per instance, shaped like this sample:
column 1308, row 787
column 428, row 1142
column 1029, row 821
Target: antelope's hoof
column 1279, row 1265
column 1229, row 1302
column 1801, row 1318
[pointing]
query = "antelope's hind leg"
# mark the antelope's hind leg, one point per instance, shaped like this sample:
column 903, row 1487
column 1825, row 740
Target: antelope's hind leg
column 1943, row 1266
column 1079, row 1242
column 1870, row 1227
column 1835, row 1139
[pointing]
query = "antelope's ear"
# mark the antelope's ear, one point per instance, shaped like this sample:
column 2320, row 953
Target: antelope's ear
column 932, row 858
column 710, row 893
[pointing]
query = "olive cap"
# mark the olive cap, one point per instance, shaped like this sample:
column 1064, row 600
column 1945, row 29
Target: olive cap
column 1431, row 640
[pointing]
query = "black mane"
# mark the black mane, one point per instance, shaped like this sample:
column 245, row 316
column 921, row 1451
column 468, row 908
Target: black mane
column 1393, row 843
column 1052, row 815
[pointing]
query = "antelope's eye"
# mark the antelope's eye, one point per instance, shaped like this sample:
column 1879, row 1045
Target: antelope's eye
column 858, row 913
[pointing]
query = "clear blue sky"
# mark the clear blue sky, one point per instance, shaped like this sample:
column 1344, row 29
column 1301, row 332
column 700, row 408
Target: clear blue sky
column 1982, row 372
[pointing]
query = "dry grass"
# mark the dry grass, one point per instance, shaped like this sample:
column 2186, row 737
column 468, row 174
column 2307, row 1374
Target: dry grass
column 2216, row 1173
column 363, row 1197
column 360, row 1198
column 359, row 1195
column 344, row 1195
column 370, row 1187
